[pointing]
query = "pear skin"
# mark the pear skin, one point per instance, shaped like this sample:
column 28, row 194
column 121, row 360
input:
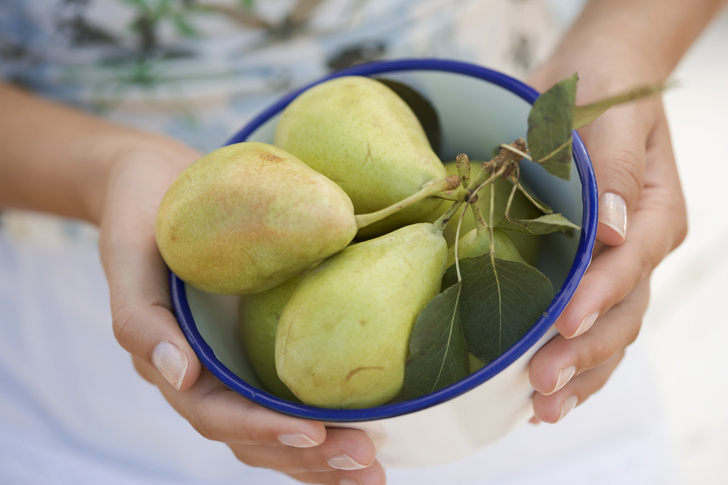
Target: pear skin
column 248, row 216
column 363, row 136
column 258, row 318
column 477, row 243
column 343, row 337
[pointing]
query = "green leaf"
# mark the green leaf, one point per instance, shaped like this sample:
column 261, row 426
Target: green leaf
column 545, row 224
column 499, row 303
column 550, row 128
column 438, row 355
column 583, row 115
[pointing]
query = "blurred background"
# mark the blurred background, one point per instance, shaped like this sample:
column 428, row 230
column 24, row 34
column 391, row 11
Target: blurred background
column 687, row 323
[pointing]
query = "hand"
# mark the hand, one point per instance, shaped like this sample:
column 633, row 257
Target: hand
column 642, row 217
column 140, row 173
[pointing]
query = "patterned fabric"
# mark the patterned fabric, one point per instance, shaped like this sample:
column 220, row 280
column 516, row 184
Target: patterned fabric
column 199, row 69
column 196, row 68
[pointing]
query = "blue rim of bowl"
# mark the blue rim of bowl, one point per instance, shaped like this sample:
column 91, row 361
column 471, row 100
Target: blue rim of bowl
column 581, row 262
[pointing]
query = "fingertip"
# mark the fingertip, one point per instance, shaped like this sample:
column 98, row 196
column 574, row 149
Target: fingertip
column 307, row 434
column 551, row 410
column 298, row 440
column 178, row 368
column 612, row 227
column 587, row 321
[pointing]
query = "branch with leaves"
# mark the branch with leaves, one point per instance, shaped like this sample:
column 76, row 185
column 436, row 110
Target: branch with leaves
column 489, row 302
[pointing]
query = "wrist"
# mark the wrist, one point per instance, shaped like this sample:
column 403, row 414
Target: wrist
column 605, row 66
column 617, row 44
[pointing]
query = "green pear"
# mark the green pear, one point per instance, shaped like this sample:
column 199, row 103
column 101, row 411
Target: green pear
column 248, row 216
column 363, row 136
column 258, row 317
column 477, row 243
column 475, row 363
column 343, row 337
column 522, row 208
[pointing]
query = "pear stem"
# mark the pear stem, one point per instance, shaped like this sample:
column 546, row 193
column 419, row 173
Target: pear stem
column 428, row 190
column 445, row 218
column 516, row 151
column 480, row 222
column 489, row 180
column 460, row 194
column 544, row 210
column 462, row 162
column 508, row 157
column 457, row 243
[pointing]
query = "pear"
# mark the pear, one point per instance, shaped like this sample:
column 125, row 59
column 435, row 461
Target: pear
column 258, row 317
column 248, row 216
column 343, row 337
column 363, row 136
column 475, row 363
column 477, row 243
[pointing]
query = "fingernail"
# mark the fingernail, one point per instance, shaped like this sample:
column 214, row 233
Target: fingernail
column 345, row 462
column 170, row 362
column 297, row 440
column 565, row 376
column 586, row 324
column 613, row 213
column 350, row 481
column 568, row 404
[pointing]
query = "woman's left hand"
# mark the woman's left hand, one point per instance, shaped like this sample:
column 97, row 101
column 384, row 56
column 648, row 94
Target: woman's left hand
column 642, row 217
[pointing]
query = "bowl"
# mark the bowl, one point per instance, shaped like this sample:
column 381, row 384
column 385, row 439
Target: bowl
column 478, row 109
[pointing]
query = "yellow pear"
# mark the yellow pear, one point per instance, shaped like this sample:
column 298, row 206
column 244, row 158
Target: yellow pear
column 248, row 216
column 363, row 136
column 343, row 337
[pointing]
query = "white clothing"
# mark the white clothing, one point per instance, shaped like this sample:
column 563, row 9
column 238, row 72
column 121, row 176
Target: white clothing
column 72, row 408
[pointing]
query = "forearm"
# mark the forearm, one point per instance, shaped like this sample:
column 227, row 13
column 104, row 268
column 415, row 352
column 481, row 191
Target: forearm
column 653, row 34
column 54, row 158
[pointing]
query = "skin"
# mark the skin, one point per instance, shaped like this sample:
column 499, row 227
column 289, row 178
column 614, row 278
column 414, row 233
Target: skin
column 126, row 172
column 612, row 50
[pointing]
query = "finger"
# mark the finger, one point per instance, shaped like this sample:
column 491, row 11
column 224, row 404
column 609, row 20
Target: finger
column 138, row 278
column 658, row 226
column 343, row 450
column 554, row 365
column 374, row 475
column 263, row 438
column 554, row 407
column 219, row 414
column 616, row 144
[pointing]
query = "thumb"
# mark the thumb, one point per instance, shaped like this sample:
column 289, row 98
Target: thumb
column 616, row 143
column 142, row 317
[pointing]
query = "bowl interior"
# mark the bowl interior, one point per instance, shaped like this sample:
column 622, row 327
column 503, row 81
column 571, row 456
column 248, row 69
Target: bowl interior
column 478, row 110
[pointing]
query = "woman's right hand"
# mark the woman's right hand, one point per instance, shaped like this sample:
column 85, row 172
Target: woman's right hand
column 142, row 169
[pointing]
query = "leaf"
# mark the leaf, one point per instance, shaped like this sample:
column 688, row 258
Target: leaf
column 499, row 302
column 438, row 355
column 545, row 224
column 550, row 128
column 583, row 115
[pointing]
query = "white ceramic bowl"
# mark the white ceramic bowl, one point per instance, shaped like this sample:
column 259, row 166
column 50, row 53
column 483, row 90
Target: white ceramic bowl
column 478, row 109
